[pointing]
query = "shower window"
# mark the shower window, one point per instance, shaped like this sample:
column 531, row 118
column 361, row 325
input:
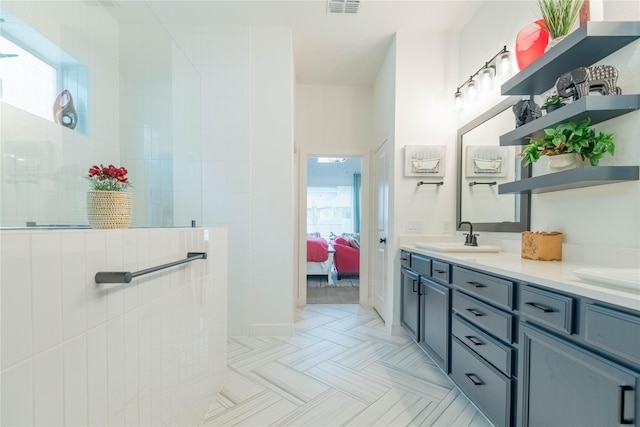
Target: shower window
column 26, row 81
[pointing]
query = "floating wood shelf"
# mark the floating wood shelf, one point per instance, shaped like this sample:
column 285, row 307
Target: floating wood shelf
column 598, row 108
column 573, row 178
column 582, row 48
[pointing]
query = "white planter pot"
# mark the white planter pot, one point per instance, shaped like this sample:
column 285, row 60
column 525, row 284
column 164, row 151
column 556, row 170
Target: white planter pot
column 563, row 161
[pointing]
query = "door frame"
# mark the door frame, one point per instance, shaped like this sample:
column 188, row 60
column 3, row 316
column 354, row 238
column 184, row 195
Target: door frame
column 365, row 221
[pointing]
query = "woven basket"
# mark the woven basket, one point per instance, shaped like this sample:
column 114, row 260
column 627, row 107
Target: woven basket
column 109, row 209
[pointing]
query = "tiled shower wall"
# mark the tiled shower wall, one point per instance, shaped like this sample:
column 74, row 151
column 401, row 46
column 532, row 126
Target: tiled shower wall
column 75, row 353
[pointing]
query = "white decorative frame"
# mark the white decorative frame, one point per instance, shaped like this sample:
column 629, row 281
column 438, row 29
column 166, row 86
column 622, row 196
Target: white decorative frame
column 487, row 160
column 425, row 160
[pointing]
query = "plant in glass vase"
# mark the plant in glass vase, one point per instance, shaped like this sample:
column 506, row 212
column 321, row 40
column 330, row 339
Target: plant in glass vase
column 108, row 204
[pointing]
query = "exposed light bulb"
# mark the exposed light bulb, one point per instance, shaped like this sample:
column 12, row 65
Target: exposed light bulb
column 459, row 102
column 486, row 78
column 505, row 64
column 472, row 90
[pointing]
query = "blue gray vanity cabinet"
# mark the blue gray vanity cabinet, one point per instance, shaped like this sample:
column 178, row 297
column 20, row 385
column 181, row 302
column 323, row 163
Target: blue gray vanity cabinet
column 562, row 384
column 526, row 354
column 435, row 308
column 410, row 305
column 412, row 267
column 482, row 351
column 426, row 306
column 586, row 352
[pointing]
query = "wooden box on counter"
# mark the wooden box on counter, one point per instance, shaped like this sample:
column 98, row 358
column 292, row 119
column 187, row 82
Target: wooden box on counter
column 542, row 246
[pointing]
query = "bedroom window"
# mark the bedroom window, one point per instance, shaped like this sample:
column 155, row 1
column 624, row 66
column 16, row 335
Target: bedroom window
column 330, row 210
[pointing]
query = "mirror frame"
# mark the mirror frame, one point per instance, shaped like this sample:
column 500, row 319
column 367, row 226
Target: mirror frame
column 523, row 223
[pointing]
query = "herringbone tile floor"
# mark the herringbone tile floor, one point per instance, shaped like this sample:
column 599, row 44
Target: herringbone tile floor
column 340, row 368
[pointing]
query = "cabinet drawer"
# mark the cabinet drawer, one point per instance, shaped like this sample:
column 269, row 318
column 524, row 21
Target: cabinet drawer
column 421, row 264
column 548, row 308
column 493, row 351
column 613, row 331
column 484, row 286
column 440, row 271
column 486, row 387
column 405, row 259
column 493, row 320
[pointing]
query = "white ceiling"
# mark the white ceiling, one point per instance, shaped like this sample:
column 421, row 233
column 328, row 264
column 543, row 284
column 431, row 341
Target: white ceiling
column 329, row 49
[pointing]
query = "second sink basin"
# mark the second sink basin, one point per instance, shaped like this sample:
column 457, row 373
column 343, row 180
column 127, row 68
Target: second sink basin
column 456, row 247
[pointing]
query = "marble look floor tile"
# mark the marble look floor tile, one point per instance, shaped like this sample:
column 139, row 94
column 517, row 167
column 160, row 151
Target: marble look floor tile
column 256, row 358
column 402, row 380
column 313, row 322
column 395, row 408
column 260, row 410
column 364, row 354
column 313, row 355
column 331, row 409
column 349, row 382
column 238, row 388
column 341, row 367
column 295, row 386
column 336, row 337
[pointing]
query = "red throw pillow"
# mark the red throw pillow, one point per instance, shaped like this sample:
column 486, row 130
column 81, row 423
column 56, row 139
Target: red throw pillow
column 341, row 241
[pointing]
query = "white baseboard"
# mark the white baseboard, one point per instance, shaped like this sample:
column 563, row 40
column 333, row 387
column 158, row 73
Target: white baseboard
column 271, row 329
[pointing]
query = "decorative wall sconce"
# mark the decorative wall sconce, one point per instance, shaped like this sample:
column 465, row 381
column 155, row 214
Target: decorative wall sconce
column 497, row 67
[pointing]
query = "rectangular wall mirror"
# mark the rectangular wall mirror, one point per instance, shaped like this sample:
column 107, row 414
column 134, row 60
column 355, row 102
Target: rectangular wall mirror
column 483, row 165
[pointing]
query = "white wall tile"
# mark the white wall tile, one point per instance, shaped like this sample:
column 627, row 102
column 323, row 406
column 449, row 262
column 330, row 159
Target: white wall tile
column 115, row 366
column 131, row 360
column 136, row 368
column 17, row 395
column 95, row 261
column 75, row 381
column 15, row 282
column 97, row 392
column 48, row 388
column 74, row 314
column 46, row 278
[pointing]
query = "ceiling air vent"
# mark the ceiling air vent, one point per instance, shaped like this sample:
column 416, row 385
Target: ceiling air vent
column 343, row 6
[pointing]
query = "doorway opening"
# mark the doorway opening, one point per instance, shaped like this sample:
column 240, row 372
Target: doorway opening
column 334, row 194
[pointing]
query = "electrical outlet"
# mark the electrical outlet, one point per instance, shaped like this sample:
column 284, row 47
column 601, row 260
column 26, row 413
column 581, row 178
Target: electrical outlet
column 414, row 226
column 446, row 227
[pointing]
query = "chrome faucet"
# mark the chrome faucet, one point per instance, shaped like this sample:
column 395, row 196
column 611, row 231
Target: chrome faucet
column 470, row 239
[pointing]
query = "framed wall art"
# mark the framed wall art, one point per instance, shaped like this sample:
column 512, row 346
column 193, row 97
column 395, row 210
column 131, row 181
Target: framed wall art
column 424, row 160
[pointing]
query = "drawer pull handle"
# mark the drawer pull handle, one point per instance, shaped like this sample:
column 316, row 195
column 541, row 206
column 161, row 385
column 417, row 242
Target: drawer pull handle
column 477, row 285
column 623, row 391
column 440, row 271
column 474, row 340
column 540, row 307
column 474, row 379
column 475, row 312
column 404, row 259
column 414, row 285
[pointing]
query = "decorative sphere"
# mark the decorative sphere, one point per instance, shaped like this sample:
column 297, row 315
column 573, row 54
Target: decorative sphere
column 531, row 42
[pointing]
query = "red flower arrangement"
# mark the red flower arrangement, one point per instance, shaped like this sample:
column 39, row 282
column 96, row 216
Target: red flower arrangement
column 108, row 178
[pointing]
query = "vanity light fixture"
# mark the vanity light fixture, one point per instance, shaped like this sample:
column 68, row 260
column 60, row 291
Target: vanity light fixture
column 498, row 66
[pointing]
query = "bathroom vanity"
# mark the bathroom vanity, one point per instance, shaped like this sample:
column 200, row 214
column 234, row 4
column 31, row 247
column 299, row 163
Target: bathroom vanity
column 526, row 341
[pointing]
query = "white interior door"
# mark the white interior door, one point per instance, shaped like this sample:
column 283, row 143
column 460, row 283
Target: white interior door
column 382, row 225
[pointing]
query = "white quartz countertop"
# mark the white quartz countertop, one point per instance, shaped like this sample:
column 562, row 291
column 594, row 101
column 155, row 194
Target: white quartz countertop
column 552, row 274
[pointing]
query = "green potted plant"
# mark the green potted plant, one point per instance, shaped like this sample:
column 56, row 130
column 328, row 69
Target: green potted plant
column 559, row 17
column 572, row 139
column 553, row 102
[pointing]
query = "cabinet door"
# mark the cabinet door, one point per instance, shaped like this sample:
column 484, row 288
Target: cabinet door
column 434, row 321
column 410, row 303
column 563, row 385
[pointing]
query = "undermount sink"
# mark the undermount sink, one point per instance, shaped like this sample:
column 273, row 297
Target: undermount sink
column 456, row 247
column 627, row 278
